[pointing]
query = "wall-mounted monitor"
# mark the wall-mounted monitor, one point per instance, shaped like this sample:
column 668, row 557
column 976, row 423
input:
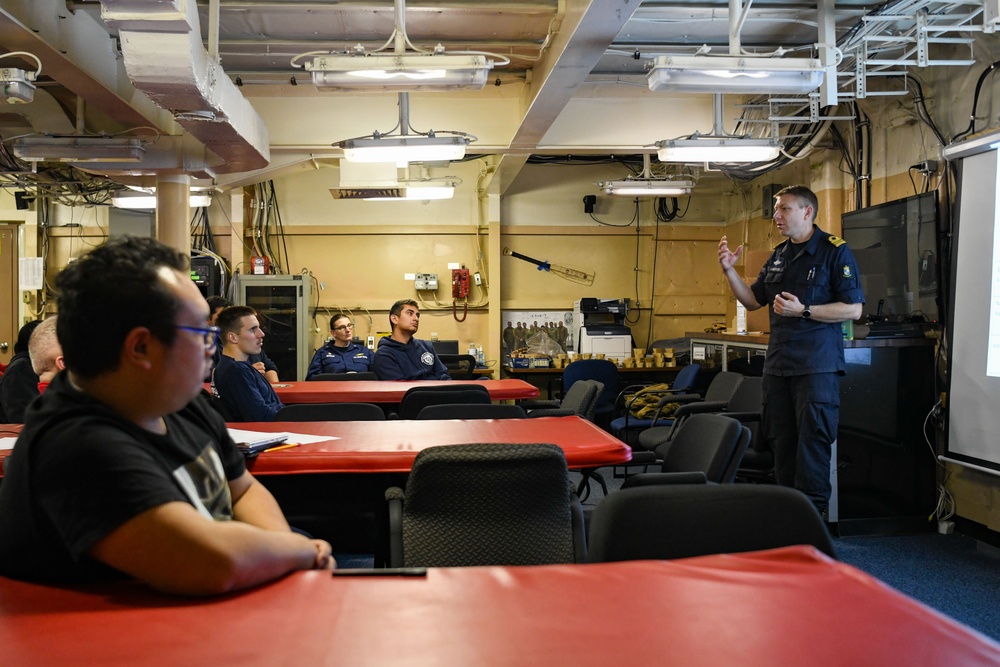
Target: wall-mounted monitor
column 896, row 248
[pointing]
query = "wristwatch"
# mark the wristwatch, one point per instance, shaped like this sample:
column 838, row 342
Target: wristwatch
column 806, row 313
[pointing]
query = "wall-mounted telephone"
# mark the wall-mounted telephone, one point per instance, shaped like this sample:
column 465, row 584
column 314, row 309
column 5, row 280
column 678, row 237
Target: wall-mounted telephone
column 460, row 283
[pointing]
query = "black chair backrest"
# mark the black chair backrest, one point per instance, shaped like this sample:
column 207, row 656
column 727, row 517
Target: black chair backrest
column 417, row 398
column 723, row 386
column 748, row 397
column 582, row 398
column 460, row 366
column 684, row 520
column 335, row 377
column 488, row 504
column 220, row 406
column 712, row 444
column 329, row 412
column 472, row 411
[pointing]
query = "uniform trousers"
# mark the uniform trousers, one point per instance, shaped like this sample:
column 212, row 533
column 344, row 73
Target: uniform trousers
column 801, row 414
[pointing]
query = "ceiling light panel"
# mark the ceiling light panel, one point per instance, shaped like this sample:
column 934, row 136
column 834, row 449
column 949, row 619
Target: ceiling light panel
column 734, row 74
column 78, row 149
column 646, row 188
column 717, row 149
column 400, row 73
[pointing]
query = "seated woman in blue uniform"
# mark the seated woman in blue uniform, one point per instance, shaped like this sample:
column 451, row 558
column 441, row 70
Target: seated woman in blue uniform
column 341, row 354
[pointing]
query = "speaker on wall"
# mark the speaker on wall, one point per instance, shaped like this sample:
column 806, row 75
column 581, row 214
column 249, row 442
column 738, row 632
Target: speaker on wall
column 767, row 199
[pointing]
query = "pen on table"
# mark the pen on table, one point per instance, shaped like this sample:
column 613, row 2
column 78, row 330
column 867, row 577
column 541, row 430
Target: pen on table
column 288, row 446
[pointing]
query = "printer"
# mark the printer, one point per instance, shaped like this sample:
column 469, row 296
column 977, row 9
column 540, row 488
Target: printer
column 599, row 325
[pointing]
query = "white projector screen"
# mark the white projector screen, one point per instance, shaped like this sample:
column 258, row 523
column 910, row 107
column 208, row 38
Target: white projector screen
column 974, row 396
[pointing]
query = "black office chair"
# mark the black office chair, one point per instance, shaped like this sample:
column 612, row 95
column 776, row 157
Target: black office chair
column 460, row 366
column 721, row 390
column 680, row 521
column 473, row 411
column 651, row 398
column 711, row 445
column 600, row 370
column 329, row 412
column 348, row 377
column 580, row 400
column 417, row 398
column 486, row 504
column 746, row 406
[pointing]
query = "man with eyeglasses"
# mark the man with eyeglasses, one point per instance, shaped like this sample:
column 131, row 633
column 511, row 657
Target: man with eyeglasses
column 341, row 354
column 122, row 470
column 247, row 393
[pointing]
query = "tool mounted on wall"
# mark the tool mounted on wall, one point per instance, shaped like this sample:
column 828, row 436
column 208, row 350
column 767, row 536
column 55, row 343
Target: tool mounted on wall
column 573, row 275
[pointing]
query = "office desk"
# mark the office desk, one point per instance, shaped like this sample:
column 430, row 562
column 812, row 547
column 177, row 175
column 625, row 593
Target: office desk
column 787, row 606
column 390, row 446
column 626, row 376
column 386, row 391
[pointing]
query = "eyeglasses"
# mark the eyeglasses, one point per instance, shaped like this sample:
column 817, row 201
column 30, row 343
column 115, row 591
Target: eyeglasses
column 210, row 334
column 343, row 327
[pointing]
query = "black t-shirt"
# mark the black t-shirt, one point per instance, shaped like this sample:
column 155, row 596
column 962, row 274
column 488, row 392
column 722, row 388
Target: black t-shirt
column 78, row 472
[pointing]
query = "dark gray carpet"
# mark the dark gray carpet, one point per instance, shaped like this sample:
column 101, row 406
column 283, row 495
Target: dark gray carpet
column 953, row 574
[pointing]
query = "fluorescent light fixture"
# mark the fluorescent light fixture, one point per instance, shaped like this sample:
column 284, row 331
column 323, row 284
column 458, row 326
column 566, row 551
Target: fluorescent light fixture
column 141, row 200
column 734, row 74
column 718, row 149
column 397, row 72
column 17, row 85
column 420, row 191
column 646, row 188
column 405, row 148
column 78, row 149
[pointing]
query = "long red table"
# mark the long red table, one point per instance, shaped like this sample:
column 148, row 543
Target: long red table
column 390, row 446
column 789, row 606
column 387, row 391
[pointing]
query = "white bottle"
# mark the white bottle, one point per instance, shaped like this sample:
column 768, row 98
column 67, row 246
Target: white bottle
column 741, row 318
column 480, row 357
column 472, row 351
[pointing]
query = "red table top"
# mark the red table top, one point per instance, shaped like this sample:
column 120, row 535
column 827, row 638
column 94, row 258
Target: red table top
column 391, row 446
column 788, row 606
column 387, row 391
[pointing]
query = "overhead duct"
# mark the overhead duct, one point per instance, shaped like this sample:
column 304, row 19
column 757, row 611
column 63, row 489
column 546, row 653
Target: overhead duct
column 165, row 59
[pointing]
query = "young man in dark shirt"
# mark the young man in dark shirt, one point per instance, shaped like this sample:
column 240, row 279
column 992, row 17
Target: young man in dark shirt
column 403, row 357
column 247, row 393
column 121, row 469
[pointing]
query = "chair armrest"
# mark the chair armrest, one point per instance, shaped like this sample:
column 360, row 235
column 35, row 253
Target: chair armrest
column 394, row 496
column 539, row 404
column 551, row 412
column 642, row 457
column 660, row 478
column 744, row 417
column 679, row 398
column 699, row 408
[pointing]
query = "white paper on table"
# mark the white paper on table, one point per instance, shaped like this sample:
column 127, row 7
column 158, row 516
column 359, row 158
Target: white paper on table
column 240, row 435
column 7, row 443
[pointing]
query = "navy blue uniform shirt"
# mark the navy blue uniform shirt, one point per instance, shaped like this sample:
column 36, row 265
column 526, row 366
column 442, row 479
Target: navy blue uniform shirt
column 821, row 270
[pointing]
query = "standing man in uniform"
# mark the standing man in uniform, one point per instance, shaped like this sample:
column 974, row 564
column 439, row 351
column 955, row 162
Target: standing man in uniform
column 811, row 283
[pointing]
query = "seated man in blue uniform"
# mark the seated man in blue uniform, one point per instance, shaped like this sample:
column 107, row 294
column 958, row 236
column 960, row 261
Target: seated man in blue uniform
column 403, row 357
column 811, row 283
column 122, row 470
column 341, row 354
column 261, row 361
column 247, row 393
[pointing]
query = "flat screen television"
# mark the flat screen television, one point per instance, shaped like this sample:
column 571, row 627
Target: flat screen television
column 896, row 248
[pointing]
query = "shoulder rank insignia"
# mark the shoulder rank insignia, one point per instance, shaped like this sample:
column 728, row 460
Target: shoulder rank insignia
column 837, row 241
column 847, row 270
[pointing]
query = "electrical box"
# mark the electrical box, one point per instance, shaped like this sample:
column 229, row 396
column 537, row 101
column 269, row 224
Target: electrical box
column 460, row 283
column 282, row 303
column 425, row 281
column 207, row 275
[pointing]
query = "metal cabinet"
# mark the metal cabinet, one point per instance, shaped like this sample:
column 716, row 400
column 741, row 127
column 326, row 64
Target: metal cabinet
column 283, row 305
